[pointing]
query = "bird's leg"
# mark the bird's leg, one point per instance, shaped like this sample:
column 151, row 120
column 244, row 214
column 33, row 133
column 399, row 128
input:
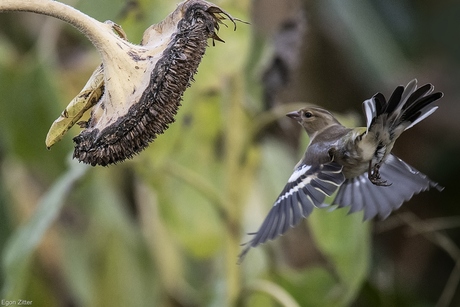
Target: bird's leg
column 374, row 175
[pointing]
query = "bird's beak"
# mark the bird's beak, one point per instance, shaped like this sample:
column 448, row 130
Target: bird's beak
column 294, row 115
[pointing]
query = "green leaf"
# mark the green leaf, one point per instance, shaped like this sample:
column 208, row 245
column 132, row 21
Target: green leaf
column 28, row 104
column 23, row 242
column 346, row 241
column 311, row 287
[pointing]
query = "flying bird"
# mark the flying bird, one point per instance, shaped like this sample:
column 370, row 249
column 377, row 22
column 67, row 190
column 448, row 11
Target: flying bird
column 355, row 161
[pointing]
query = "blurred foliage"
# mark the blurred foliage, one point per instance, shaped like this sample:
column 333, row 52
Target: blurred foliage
column 165, row 228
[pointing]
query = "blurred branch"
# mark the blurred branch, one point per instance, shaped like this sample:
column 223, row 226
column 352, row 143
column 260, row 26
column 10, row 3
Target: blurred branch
column 274, row 291
column 443, row 242
column 433, row 225
column 235, row 130
column 165, row 253
column 429, row 225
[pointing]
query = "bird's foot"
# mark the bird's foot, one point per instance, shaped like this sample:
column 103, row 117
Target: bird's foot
column 374, row 175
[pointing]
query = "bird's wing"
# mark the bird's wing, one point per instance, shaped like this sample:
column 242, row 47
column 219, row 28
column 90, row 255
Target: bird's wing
column 361, row 194
column 307, row 187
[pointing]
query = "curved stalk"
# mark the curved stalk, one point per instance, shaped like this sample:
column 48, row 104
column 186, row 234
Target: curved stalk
column 94, row 30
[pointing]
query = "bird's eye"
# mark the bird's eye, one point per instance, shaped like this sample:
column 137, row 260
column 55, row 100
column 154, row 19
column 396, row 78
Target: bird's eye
column 308, row 114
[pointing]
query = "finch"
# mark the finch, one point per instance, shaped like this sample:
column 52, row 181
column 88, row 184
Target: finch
column 355, row 161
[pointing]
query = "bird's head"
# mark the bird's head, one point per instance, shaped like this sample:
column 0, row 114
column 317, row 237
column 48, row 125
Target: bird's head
column 313, row 119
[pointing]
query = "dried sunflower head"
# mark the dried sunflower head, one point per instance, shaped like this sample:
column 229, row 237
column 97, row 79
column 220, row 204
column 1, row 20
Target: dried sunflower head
column 142, row 86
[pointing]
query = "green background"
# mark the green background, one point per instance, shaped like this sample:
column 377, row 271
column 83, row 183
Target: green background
column 165, row 228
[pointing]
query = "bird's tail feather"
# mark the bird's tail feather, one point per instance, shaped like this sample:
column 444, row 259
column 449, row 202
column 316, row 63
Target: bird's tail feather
column 407, row 106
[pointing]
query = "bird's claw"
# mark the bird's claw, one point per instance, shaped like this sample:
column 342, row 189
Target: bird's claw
column 374, row 175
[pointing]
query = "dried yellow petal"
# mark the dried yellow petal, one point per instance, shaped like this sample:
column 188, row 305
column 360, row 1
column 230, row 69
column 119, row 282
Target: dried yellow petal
column 88, row 97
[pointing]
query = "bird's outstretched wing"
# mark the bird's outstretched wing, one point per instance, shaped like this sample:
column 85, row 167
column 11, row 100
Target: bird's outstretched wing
column 306, row 188
column 361, row 194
